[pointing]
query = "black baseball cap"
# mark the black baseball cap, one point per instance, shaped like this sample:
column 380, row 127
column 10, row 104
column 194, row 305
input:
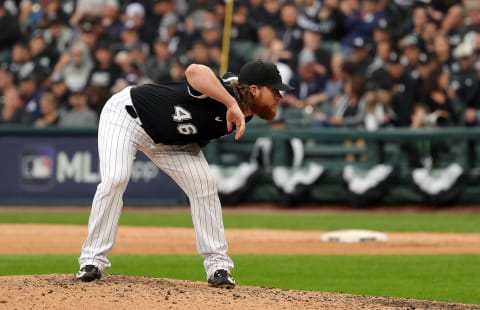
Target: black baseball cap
column 258, row 72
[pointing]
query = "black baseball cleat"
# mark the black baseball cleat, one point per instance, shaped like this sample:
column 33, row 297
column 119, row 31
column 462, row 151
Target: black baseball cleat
column 222, row 278
column 88, row 273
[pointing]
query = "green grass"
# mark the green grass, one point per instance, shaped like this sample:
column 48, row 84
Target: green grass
column 452, row 278
column 374, row 221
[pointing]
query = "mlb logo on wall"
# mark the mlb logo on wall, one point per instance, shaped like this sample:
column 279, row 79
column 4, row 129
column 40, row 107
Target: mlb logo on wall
column 37, row 165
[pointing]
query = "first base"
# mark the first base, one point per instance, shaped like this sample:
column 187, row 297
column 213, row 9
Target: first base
column 353, row 235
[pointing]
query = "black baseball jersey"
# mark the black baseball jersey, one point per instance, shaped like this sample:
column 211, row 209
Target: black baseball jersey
column 176, row 113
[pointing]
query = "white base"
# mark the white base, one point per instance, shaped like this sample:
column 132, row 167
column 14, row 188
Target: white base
column 353, row 235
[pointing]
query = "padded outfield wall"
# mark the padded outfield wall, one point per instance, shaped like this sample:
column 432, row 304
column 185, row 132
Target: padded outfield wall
column 59, row 166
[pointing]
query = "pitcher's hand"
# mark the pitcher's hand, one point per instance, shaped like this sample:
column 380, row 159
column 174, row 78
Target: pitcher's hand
column 235, row 117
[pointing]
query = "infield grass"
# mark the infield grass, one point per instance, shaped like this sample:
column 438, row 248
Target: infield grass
column 452, row 278
column 375, row 221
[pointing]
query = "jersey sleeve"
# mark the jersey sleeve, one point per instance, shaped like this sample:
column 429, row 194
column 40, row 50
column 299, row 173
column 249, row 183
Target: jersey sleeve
column 193, row 92
column 226, row 79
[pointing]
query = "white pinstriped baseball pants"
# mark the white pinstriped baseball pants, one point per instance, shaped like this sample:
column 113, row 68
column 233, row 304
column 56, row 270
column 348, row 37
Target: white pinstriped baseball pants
column 119, row 138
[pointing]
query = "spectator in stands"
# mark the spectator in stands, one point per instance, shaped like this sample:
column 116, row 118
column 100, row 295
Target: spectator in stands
column 428, row 36
column 58, row 36
column 272, row 49
column 31, row 92
column 378, row 112
column 49, row 111
column 405, row 92
column 75, row 65
column 135, row 13
column 350, row 110
column 271, row 16
column 218, row 10
column 472, row 20
column 330, row 24
column 102, row 77
column 380, row 57
column 362, row 21
column 88, row 32
column 410, row 49
column 169, row 32
column 80, row 115
column 333, row 92
column 290, row 32
column 398, row 14
column 243, row 33
column 211, row 33
column 60, row 90
column 309, row 11
column 53, row 11
column 453, row 23
column 137, row 56
column 313, row 41
column 107, row 11
column 420, row 18
column 130, row 38
column 159, row 64
column 136, row 76
column 30, row 15
column 199, row 54
column 425, row 65
column 309, row 83
column 156, row 11
column 349, row 68
column 381, row 33
column 7, row 78
column 442, row 52
column 21, row 57
column 359, row 54
column 9, row 34
column 465, row 83
column 43, row 58
column 438, row 99
column 256, row 13
column 334, row 86
column 377, row 74
column 11, row 106
column 105, row 70
column 264, row 49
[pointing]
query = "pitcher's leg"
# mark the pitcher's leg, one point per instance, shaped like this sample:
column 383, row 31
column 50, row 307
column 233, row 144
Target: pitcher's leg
column 116, row 154
column 189, row 169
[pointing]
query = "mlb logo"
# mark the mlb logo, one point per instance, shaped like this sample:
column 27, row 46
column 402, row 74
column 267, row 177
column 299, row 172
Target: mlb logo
column 37, row 167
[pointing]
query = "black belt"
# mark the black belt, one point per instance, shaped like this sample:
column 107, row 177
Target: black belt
column 131, row 111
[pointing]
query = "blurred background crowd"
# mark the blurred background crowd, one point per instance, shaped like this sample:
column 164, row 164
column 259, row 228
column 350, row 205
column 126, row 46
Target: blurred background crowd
column 355, row 63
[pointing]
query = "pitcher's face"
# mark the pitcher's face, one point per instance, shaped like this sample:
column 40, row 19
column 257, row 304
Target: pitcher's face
column 265, row 101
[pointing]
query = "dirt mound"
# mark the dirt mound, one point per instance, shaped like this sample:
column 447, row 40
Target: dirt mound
column 128, row 292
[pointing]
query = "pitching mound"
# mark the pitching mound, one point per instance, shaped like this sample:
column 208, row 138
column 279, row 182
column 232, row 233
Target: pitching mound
column 127, row 292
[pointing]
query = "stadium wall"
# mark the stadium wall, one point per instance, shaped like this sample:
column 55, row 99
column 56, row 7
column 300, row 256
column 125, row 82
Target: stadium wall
column 58, row 166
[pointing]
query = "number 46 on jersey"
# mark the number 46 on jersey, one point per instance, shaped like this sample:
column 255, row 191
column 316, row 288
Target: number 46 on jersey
column 180, row 116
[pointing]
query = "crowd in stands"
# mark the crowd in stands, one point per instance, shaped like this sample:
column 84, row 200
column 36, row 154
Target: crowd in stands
column 355, row 63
